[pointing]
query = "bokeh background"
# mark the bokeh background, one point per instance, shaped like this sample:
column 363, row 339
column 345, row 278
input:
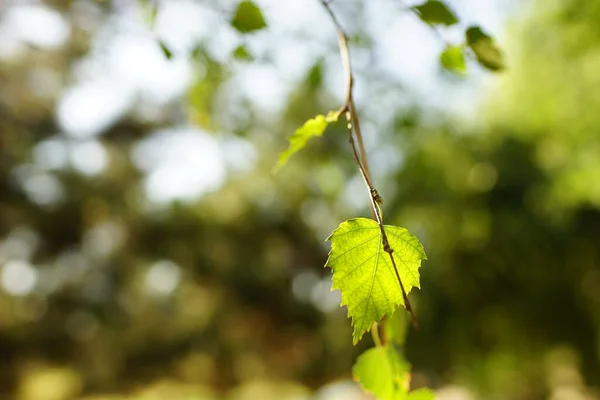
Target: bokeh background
column 147, row 252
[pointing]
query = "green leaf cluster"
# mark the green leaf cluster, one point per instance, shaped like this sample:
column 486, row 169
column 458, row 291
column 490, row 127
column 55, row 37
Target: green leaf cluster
column 452, row 58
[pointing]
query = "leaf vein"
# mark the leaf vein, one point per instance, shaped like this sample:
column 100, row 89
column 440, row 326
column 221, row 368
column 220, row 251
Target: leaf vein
column 352, row 248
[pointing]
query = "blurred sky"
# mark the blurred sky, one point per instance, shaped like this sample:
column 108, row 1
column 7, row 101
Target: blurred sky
column 126, row 72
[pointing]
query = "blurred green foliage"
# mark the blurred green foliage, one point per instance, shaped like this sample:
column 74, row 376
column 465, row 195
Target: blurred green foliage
column 105, row 295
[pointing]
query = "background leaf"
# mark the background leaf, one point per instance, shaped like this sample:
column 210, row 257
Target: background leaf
column 488, row 54
column 149, row 11
column 248, row 18
column 364, row 274
column 453, row 59
column 241, row 53
column 311, row 128
column 396, row 327
column 165, row 50
column 383, row 372
column 435, row 12
column 314, row 78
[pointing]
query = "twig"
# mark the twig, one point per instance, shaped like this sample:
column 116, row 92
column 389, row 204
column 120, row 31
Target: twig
column 349, row 109
column 349, row 100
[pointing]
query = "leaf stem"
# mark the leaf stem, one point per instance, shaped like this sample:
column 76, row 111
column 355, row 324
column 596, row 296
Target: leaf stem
column 375, row 334
column 349, row 108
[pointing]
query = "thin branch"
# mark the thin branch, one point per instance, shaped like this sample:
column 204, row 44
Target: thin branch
column 361, row 144
column 348, row 101
column 349, row 108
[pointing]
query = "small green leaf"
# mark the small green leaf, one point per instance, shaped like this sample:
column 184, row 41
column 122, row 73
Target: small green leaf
column 436, row 12
column 383, row 372
column 363, row 271
column 248, row 17
column 166, row 51
column 312, row 128
column 486, row 51
column 453, row 59
column 241, row 53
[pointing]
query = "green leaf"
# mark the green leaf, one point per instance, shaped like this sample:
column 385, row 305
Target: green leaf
column 421, row 394
column 166, row 51
column 248, row 17
column 453, row 59
column 363, row 271
column 396, row 327
column 486, row 51
column 311, row 128
column 241, row 53
column 383, row 372
column 436, row 12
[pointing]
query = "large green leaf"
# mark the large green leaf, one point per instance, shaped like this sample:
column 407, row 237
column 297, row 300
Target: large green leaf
column 248, row 17
column 312, row 128
column 486, row 51
column 363, row 271
column 383, row 372
column 453, row 59
column 436, row 12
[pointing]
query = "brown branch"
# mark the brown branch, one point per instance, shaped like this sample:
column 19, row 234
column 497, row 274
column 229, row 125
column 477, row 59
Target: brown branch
column 349, row 108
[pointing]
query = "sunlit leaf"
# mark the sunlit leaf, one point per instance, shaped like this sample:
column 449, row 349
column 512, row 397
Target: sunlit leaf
column 436, row 12
column 312, row 128
column 486, row 51
column 363, row 271
column 248, row 17
column 241, row 53
column 453, row 59
column 383, row 372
